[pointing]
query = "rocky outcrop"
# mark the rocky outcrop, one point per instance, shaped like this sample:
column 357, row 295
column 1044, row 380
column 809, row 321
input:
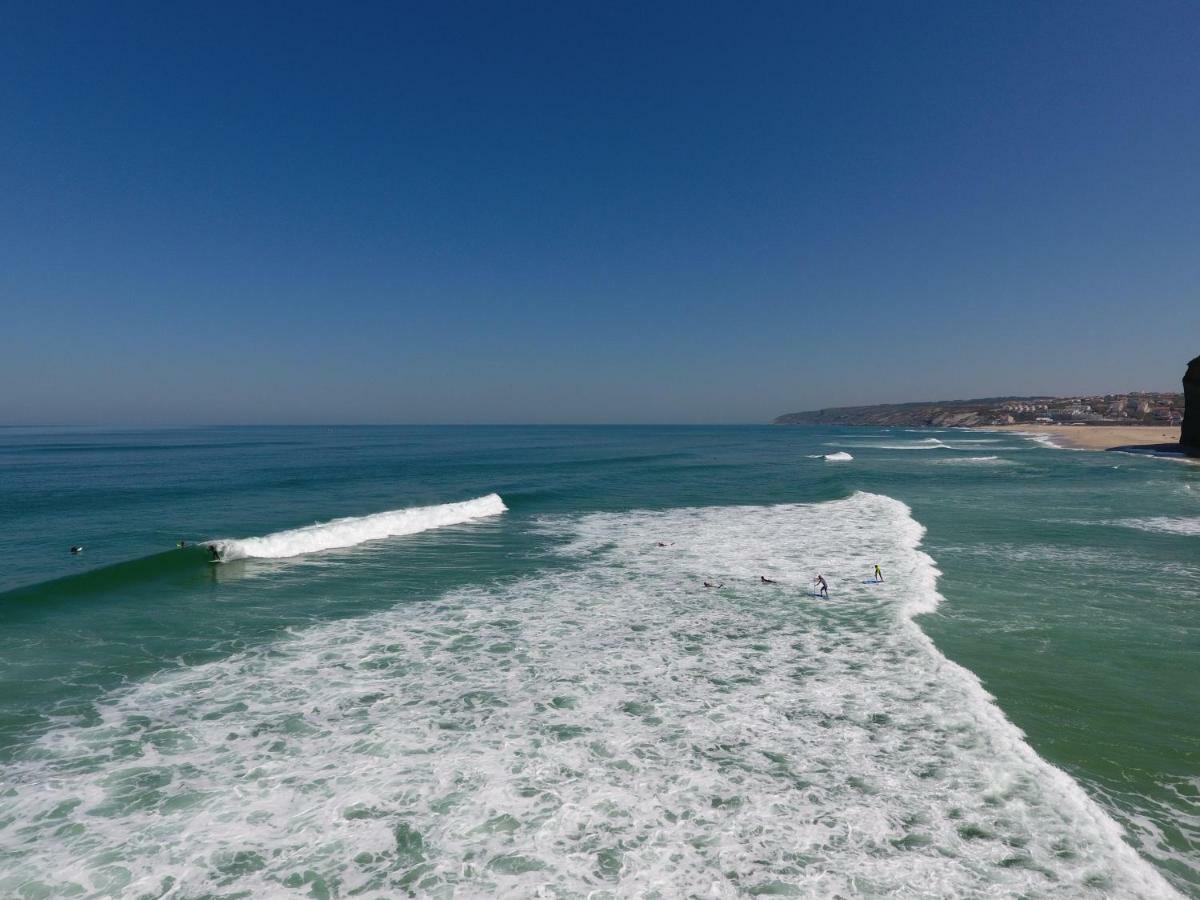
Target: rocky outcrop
column 1189, row 437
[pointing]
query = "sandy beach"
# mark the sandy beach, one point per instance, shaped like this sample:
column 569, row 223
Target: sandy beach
column 1099, row 437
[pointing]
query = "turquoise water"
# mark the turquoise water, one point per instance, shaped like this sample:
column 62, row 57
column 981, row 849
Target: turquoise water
column 539, row 699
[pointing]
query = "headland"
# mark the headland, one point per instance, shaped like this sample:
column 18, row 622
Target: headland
column 1153, row 409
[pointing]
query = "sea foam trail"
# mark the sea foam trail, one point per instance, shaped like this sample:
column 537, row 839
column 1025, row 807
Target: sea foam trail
column 1047, row 440
column 612, row 729
column 1164, row 524
column 923, row 444
column 350, row 532
column 973, row 460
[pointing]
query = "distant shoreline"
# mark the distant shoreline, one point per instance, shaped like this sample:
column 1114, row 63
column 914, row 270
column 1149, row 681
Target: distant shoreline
column 1146, row 409
column 1151, row 440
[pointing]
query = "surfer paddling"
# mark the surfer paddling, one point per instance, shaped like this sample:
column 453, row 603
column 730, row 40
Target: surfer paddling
column 763, row 579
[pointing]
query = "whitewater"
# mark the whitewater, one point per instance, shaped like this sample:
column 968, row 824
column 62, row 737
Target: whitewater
column 608, row 727
column 354, row 530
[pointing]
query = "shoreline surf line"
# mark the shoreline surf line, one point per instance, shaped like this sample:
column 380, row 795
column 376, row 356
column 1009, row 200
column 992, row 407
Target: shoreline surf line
column 1091, row 437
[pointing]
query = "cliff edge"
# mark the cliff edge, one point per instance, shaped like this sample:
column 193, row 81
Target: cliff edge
column 1189, row 436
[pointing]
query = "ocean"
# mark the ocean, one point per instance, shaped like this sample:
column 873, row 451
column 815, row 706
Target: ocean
column 482, row 661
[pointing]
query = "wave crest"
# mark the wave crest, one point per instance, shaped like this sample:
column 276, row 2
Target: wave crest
column 351, row 531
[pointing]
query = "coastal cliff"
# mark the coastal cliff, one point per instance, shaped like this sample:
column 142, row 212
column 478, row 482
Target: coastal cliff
column 1134, row 408
column 942, row 414
column 1189, row 437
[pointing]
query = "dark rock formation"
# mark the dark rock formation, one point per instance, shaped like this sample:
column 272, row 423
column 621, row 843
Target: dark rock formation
column 1189, row 437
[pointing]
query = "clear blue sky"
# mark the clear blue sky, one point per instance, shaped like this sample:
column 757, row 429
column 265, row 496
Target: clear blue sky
column 602, row 212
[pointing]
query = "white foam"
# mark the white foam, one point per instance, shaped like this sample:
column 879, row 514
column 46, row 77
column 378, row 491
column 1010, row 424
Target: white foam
column 350, row 532
column 1047, row 440
column 1164, row 524
column 924, row 444
column 1044, row 439
column 927, row 444
column 973, row 460
column 840, row 456
column 614, row 727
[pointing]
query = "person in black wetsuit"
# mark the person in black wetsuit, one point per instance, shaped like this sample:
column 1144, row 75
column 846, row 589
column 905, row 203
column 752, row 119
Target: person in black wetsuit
column 822, row 586
column 216, row 554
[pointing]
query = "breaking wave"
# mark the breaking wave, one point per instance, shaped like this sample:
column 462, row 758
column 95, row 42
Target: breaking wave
column 352, row 531
column 1047, row 440
column 923, row 444
column 612, row 728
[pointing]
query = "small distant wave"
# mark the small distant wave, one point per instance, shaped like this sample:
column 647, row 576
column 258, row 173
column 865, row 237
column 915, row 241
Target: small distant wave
column 925, row 444
column 349, row 532
column 595, row 462
column 1047, row 440
column 1169, row 455
column 840, row 456
column 974, row 460
column 1043, row 439
column 1164, row 524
